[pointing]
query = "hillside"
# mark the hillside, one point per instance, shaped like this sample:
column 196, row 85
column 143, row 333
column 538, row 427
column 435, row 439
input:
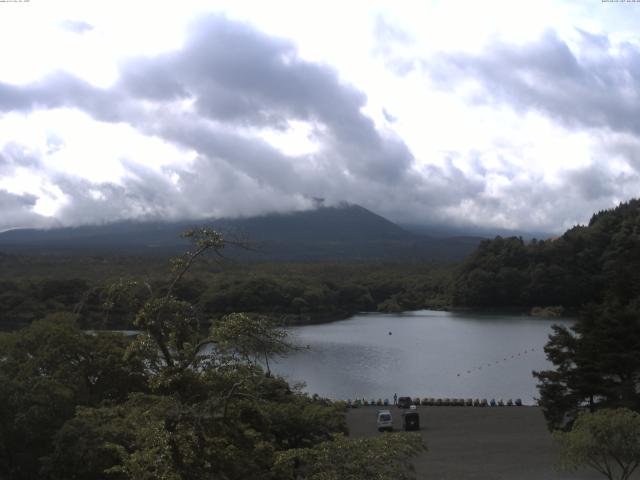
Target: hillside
column 325, row 233
column 589, row 263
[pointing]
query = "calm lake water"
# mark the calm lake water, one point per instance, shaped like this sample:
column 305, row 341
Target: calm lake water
column 428, row 354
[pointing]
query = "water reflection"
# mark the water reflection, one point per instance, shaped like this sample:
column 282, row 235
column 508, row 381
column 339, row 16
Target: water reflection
column 424, row 353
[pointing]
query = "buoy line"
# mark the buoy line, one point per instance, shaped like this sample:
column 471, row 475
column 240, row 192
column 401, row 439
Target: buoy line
column 497, row 362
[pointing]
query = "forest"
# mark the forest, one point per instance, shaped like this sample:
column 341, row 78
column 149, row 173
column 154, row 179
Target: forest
column 79, row 404
column 586, row 264
column 79, row 401
column 295, row 293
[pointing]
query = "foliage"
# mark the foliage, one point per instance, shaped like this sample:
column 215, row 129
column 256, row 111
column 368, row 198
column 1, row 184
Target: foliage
column 253, row 337
column 177, row 402
column 342, row 458
column 597, row 364
column 606, row 440
column 49, row 369
column 585, row 264
column 106, row 296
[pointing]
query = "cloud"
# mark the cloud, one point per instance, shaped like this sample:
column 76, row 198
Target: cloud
column 14, row 155
column 387, row 36
column 597, row 87
column 76, row 26
column 216, row 98
column 17, row 211
column 593, row 182
column 240, row 77
column 61, row 89
column 388, row 117
column 144, row 196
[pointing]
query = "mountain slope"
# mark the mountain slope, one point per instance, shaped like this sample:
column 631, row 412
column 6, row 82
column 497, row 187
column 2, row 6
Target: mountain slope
column 342, row 232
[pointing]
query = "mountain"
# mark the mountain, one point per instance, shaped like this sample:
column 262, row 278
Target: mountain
column 325, row 233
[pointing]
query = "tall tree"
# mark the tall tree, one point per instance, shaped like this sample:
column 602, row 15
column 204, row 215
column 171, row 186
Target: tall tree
column 607, row 441
column 597, row 364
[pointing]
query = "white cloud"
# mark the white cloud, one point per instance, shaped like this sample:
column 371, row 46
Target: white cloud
column 502, row 113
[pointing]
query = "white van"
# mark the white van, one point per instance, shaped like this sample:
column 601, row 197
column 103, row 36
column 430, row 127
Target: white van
column 385, row 422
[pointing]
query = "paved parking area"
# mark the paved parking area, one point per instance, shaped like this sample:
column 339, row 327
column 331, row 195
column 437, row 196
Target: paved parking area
column 491, row 443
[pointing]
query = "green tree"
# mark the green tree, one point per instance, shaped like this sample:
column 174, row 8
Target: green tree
column 46, row 371
column 607, row 441
column 597, row 364
column 254, row 337
column 211, row 413
column 178, row 401
column 385, row 457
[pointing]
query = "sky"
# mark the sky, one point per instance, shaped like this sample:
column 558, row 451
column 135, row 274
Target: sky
column 500, row 114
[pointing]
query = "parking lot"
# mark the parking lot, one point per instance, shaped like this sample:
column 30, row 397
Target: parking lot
column 490, row 443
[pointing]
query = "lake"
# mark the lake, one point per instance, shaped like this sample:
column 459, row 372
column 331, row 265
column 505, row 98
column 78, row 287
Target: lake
column 421, row 354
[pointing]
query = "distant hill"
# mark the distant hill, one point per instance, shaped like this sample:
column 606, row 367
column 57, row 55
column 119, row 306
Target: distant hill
column 586, row 264
column 325, row 233
column 443, row 230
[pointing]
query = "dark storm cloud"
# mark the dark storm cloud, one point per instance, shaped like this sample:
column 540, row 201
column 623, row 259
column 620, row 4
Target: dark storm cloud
column 597, row 88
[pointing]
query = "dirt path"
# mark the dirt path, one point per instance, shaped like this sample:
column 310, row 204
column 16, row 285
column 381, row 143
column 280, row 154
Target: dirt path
column 492, row 443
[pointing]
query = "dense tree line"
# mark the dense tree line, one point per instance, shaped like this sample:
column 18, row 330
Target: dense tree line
column 174, row 402
column 297, row 293
column 597, row 360
column 586, row 264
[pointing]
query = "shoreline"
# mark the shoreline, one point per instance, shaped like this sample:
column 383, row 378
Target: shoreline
column 295, row 320
column 301, row 320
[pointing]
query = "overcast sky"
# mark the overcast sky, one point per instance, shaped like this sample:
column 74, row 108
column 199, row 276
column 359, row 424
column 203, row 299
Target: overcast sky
column 521, row 115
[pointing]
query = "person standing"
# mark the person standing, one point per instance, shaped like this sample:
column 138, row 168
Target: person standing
column 395, row 399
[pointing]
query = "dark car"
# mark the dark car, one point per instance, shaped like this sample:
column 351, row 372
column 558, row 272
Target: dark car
column 410, row 421
column 404, row 402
